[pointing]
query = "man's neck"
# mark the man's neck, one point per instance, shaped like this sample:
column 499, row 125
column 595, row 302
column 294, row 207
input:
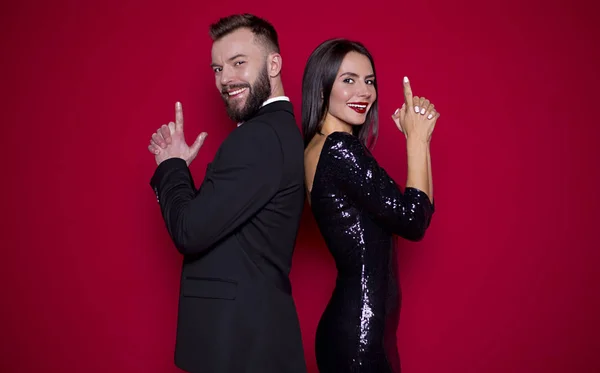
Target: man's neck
column 277, row 94
column 276, row 88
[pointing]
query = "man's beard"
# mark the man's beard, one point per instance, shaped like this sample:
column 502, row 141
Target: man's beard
column 258, row 93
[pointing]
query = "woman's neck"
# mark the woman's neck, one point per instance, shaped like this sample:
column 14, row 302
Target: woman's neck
column 332, row 124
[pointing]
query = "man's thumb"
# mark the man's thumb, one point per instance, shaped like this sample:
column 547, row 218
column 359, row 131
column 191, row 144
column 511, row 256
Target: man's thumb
column 195, row 148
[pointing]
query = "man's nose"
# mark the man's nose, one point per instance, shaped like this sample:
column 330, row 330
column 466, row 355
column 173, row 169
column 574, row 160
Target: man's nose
column 226, row 75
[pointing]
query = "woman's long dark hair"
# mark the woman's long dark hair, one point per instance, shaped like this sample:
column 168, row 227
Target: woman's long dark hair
column 319, row 75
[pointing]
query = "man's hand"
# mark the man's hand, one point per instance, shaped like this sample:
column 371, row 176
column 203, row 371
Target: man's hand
column 169, row 141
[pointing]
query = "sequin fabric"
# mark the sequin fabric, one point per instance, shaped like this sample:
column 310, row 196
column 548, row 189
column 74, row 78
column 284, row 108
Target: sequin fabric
column 358, row 208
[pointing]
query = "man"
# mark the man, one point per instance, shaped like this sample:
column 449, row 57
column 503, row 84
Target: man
column 237, row 232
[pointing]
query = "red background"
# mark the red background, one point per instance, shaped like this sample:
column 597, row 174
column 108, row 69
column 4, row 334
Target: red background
column 506, row 279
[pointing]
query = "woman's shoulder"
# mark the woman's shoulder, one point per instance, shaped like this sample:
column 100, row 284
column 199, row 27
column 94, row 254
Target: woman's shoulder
column 342, row 136
column 339, row 143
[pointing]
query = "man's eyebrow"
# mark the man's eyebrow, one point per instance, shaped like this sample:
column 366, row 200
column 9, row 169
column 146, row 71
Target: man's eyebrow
column 230, row 59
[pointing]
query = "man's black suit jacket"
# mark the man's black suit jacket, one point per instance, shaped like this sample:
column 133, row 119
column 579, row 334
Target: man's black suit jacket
column 237, row 234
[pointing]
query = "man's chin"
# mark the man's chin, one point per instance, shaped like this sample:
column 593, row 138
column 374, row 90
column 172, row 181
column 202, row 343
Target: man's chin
column 235, row 113
column 236, row 103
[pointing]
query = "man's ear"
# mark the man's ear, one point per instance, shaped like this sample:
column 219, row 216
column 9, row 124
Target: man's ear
column 274, row 64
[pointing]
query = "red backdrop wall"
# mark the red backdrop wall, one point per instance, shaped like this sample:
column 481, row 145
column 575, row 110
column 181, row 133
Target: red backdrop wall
column 506, row 279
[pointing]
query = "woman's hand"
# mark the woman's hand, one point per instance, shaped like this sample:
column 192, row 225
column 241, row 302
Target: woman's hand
column 417, row 116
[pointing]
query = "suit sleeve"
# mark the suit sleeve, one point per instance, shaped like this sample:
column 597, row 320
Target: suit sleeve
column 370, row 187
column 245, row 177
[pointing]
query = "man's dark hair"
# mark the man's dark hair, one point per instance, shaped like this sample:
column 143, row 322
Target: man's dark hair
column 263, row 31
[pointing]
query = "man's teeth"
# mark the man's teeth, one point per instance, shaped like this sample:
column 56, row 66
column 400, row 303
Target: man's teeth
column 236, row 92
column 358, row 106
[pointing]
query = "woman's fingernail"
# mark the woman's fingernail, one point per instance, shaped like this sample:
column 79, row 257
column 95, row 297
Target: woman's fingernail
column 396, row 112
column 416, row 109
column 430, row 116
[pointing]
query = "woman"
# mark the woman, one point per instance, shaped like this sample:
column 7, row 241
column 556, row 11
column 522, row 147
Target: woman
column 357, row 206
